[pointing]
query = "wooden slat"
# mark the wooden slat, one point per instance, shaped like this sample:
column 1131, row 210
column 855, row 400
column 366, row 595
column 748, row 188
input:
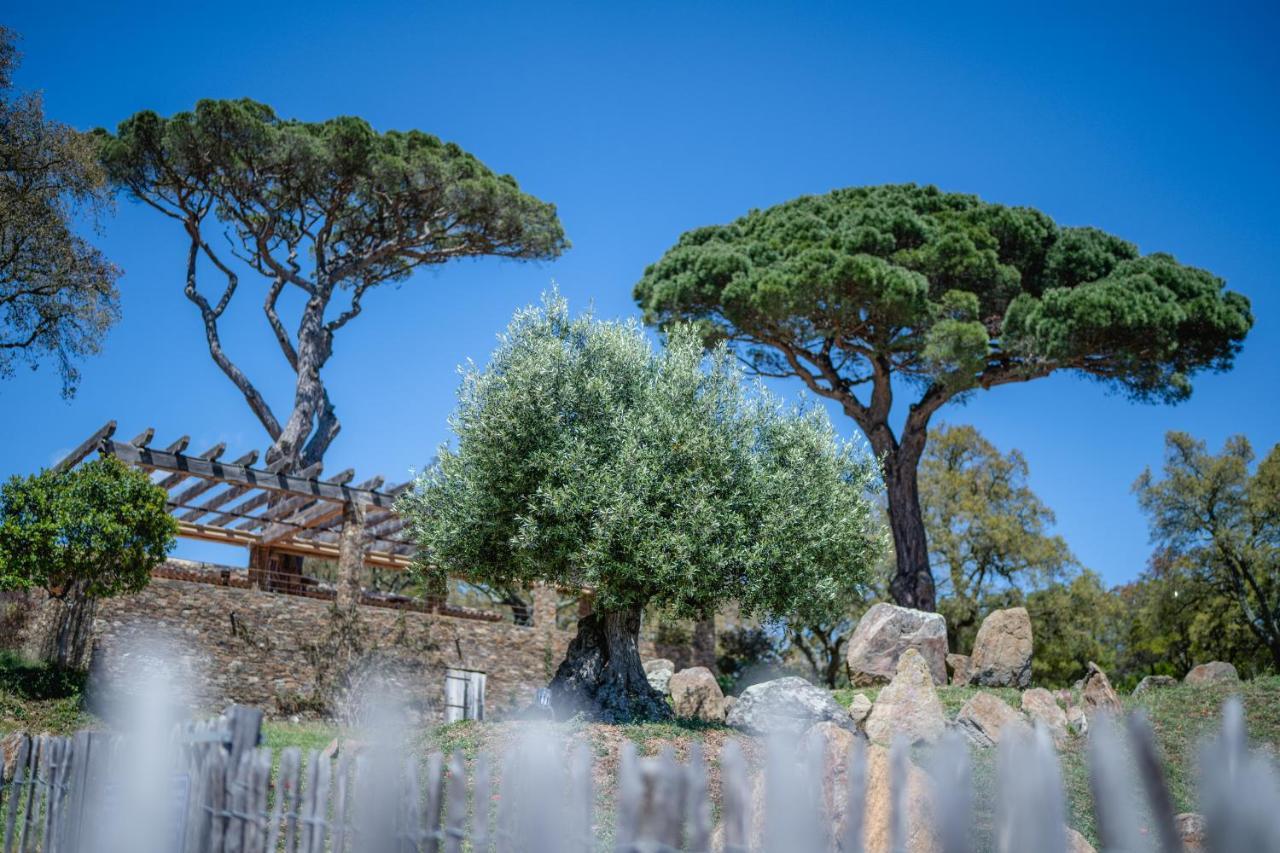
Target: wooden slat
column 179, row 445
column 90, row 444
column 198, row 467
column 143, row 438
column 257, row 500
column 303, row 548
column 294, row 505
column 172, row 480
column 312, row 516
column 195, row 491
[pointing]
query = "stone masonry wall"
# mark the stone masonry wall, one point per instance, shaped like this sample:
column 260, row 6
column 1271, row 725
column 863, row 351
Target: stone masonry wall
column 232, row 644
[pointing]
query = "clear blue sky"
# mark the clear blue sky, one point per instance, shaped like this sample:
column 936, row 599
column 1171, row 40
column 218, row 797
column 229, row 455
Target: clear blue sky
column 1157, row 122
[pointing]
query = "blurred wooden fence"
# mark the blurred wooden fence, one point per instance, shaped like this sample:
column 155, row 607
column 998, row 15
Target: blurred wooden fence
column 225, row 794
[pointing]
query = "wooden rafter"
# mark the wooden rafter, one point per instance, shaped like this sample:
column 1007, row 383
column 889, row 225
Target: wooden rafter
column 292, row 513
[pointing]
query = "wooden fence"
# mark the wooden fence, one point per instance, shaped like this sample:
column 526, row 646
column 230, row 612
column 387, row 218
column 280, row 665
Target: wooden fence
column 224, row 794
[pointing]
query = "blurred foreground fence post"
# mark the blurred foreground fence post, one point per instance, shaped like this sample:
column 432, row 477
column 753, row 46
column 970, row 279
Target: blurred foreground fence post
column 225, row 794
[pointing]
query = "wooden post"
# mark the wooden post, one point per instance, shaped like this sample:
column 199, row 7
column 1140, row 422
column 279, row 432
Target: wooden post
column 351, row 547
column 259, row 567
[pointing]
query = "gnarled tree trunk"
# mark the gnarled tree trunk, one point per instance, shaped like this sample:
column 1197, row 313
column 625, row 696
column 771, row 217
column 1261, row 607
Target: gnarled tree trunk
column 602, row 676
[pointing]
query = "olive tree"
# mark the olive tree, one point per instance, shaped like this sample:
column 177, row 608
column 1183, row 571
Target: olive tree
column 586, row 459
column 868, row 293
column 325, row 211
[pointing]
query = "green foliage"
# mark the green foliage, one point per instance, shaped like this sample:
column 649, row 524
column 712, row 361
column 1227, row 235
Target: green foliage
column 945, row 289
column 1075, row 622
column 98, row 530
column 585, row 458
column 58, row 294
column 986, row 528
column 1216, row 523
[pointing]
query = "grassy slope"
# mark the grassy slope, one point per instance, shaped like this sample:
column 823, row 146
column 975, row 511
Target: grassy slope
column 35, row 699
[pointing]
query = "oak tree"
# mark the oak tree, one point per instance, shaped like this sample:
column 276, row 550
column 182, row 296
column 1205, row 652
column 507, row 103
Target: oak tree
column 870, row 293
column 1217, row 517
column 986, row 528
column 587, row 460
column 325, row 210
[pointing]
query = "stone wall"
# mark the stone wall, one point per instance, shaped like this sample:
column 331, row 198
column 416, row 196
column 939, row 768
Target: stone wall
column 233, row 644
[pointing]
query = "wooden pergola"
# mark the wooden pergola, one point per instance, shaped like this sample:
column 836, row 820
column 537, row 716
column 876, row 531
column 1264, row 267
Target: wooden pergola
column 278, row 516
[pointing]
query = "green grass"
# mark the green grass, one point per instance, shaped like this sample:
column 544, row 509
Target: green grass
column 40, row 698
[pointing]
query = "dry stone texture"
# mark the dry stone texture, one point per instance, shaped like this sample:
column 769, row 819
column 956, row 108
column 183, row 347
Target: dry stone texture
column 1002, row 650
column 696, row 695
column 986, row 718
column 785, row 705
column 1099, row 696
column 884, row 632
column 1212, row 672
column 1040, row 706
column 908, row 706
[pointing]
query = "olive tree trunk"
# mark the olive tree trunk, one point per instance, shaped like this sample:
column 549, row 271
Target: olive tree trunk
column 602, row 676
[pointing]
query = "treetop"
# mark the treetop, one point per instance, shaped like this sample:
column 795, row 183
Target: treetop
column 946, row 289
column 372, row 205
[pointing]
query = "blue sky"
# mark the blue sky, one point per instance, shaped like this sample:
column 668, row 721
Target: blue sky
column 1156, row 122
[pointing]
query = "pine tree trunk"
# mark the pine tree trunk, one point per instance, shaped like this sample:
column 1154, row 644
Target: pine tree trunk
column 912, row 583
column 602, row 676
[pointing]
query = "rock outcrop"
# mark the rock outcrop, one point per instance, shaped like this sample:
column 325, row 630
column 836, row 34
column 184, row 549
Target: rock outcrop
column 659, row 672
column 785, row 705
column 886, row 631
column 859, row 710
column 908, row 706
column 1040, row 706
column 1002, row 650
column 1154, row 682
column 986, row 718
column 1099, row 695
column 1212, row 673
column 696, row 695
column 958, row 666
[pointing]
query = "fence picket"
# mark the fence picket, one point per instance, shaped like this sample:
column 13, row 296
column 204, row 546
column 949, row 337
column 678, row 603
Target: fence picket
column 15, row 791
column 290, row 780
column 341, row 802
column 697, row 802
column 320, row 804
column 456, row 809
column 434, row 803
column 855, row 797
column 33, row 793
column 581, row 801
column 481, row 805
column 736, row 795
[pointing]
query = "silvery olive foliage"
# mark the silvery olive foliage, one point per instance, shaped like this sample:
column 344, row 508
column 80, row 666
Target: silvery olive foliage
column 586, row 457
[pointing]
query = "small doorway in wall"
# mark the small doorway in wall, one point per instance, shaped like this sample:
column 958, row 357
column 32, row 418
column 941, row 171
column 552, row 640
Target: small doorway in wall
column 463, row 695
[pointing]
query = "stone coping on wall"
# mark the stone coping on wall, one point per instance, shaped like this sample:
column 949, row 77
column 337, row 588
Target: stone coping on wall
column 218, row 575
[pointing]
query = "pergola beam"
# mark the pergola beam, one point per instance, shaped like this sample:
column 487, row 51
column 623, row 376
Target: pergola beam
column 90, row 444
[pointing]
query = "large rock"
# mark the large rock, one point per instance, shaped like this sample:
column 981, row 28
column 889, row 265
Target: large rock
column 959, row 667
column 696, row 695
column 1154, row 682
column 908, row 706
column 1041, row 707
column 986, row 718
column 1077, row 720
column 1002, row 650
column 1191, row 829
column 833, row 744
column 785, row 705
column 1211, row 673
column 659, row 672
column 886, row 631
column 1099, row 696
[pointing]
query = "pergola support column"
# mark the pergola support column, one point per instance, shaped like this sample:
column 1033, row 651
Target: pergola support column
column 351, row 548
